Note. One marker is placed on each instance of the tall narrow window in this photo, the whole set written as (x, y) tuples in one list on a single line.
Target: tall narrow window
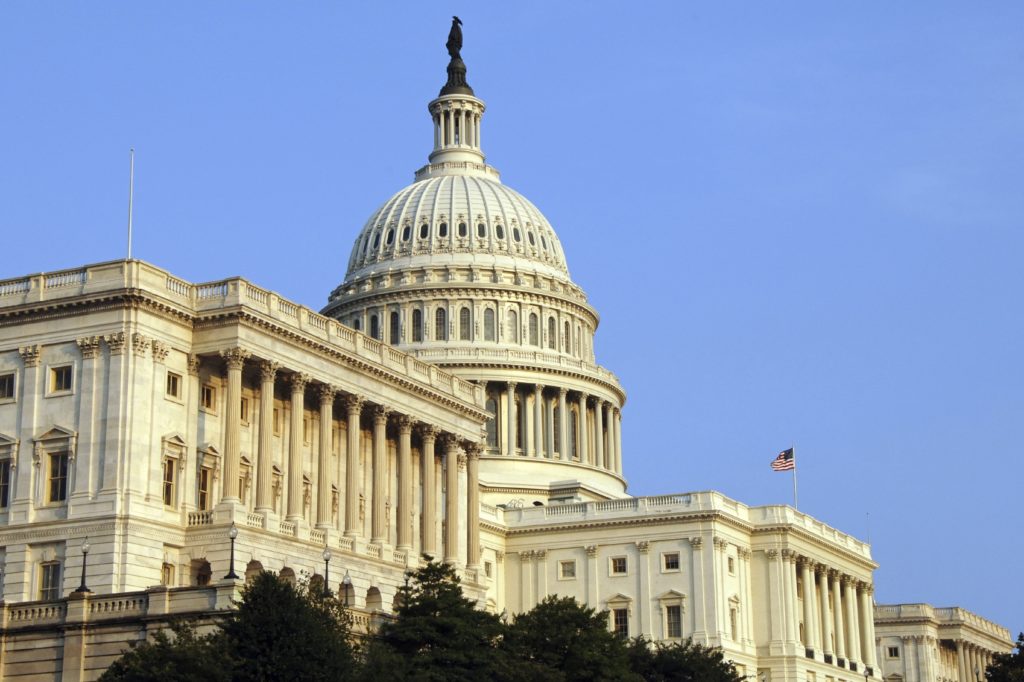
[(374, 326), (395, 333), (58, 488), (574, 427), (417, 326), (465, 330), (557, 431), (520, 423), (552, 333), (566, 338), (674, 621), (49, 580), (169, 469), (492, 422), (534, 330), (441, 324), (204, 489), (488, 325), (620, 622), (513, 327), (5, 483)]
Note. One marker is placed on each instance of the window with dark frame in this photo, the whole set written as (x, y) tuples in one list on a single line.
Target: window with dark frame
[(674, 621), (620, 622), (204, 489), (58, 479), (173, 385), (209, 397), (5, 483), (619, 565), (169, 470), (671, 561), (60, 378), (6, 385), (49, 580)]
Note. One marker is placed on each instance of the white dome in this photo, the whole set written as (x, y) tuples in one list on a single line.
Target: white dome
[(468, 219)]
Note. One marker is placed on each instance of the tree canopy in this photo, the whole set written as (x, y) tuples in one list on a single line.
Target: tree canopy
[(1008, 667)]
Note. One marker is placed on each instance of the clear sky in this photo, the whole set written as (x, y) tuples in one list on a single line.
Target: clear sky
[(801, 222)]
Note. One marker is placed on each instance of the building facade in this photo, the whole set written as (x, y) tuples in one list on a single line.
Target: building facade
[(447, 402)]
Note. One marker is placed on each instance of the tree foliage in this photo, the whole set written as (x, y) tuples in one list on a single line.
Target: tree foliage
[(680, 662), (185, 657), (1008, 667)]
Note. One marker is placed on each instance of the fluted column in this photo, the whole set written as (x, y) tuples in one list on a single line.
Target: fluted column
[(826, 614), (451, 499), (379, 521), (473, 451), (582, 422), (235, 360), (428, 513), (265, 463), (599, 433), (298, 384), (618, 441), (510, 423), (538, 420), (610, 425), (853, 632), (961, 664), (808, 581), (563, 425), (867, 627), (403, 520), (353, 409), (837, 614), (323, 470)]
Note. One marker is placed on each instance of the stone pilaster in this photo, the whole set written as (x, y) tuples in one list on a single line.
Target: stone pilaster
[(353, 490), (235, 360), (428, 514), (323, 470), (265, 463), (379, 521), (403, 520)]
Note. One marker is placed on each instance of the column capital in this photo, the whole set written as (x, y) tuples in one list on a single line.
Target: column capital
[(833, 574), (772, 553), (562, 392), (380, 414), (463, 460), (696, 542), (298, 381), (538, 388), (643, 546), (847, 580), (744, 553), (449, 442), (326, 393), (473, 449), (591, 550), (89, 345), (30, 354), (115, 341), (511, 385), (140, 344), (193, 364), (353, 403), (720, 543), (428, 431), (268, 370), (405, 423), (234, 357), (160, 351)]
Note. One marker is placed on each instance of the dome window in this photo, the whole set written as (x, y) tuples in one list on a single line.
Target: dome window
[(376, 241), (463, 230), (533, 240), (425, 230), (481, 230), (442, 230), (391, 237), (500, 231), (543, 243), (406, 233), (516, 235)]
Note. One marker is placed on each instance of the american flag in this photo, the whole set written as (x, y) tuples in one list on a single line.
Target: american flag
[(785, 461)]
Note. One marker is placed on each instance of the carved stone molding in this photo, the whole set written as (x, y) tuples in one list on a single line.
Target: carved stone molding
[(353, 404), (116, 342), (540, 553), (268, 370), (89, 346), (462, 459), (380, 414), (193, 363), (234, 357), (427, 431), (772, 553), (473, 449), (160, 351), (30, 355), (299, 381), (405, 423), (140, 344), (720, 543), (499, 556), (696, 542), (591, 550), (326, 393), (643, 546)]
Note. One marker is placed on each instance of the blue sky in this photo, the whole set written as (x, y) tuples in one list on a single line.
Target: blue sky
[(801, 222)]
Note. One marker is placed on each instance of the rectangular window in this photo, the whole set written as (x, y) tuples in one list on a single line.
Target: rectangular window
[(733, 630), (49, 580), (169, 468), (167, 575), (7, 386), (209, 398), (204, 489), (244, 410), (60, 379), (567, 569), (306, 430), (893, 651), (670, 561), (173, 385), (618, 565), (277, 422), (620, 622), (5, 483), (674, 621), (732, 566), (488, 568), (58, 489)]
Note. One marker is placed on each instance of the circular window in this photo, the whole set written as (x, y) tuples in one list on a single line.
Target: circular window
[(481, 230), (515, 234), (442, 230), (424, 230), (533, 242), (500, 231), (391, 237), (463, 230)]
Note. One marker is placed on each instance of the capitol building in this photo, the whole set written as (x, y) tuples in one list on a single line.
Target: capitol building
[(158, 436)]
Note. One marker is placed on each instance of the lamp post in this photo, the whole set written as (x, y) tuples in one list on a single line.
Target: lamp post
[(346, 584), (327, 567), (867, 675), (85, 558), (233, 533), (977, 673)]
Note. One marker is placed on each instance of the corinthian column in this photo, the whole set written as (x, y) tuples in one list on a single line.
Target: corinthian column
[(538, 420), (323, 472), (353, 407), (265, 465), (235, 359), (599, 433), (563, 426), (837, 614), (298, 382), (451, 499), (380, 520), (582, 423), (826, 616), (473, 451), (852, 631), (810, 631), (510, 431), (403, 520), (428, 514)]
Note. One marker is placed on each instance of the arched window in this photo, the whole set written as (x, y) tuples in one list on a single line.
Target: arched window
[(374, 326), (481, 230), (499, 231), (417, 326), (406, 233), (534, 331), (395, 333), (442, 230), (573, 429), (488, 325), (566, 339), (492, 422), (513, 327), (552, 333), (441, 324), (557, 431), (424, 230), (465, 332), (357, 324), (391, 237), (463, 230)]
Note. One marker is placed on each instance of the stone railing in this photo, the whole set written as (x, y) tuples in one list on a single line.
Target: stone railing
[(200, 518), (227, 293)]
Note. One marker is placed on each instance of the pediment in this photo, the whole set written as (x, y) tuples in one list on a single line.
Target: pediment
[(672, 594), (56, 433), (174, 439), (619, 599), (6, 440)]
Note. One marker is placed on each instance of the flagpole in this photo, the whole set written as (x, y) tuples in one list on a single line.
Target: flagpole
[(131, 196), (796, 501)]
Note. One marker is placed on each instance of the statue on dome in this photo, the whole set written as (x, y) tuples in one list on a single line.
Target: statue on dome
[(454, 43), (456, 84)]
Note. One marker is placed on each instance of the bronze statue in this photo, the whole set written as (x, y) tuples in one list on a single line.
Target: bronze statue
[(456, 84), (454, 43)]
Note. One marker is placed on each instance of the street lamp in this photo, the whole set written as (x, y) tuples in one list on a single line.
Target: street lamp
[(327, 567), (233, 533), (346, 584), (85, 557), (977, 673), (867, 675)]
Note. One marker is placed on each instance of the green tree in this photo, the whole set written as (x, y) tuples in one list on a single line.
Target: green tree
[(185, 657), (561, 640), (437, 634), (1008, 667), (680, 662)]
